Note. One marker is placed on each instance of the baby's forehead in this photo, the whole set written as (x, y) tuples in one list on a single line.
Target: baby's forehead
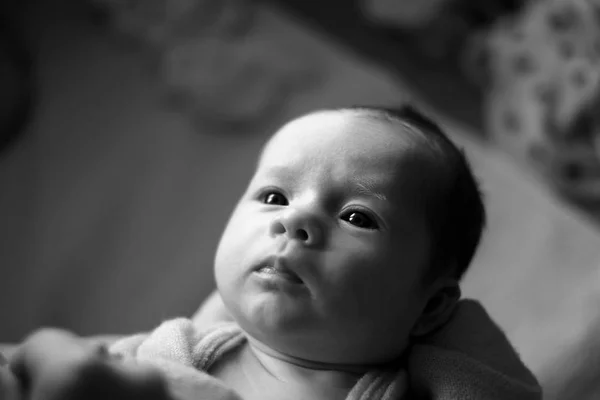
[(344, 130), (352, 142)]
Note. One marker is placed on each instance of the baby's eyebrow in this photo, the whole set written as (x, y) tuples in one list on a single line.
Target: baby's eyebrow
[(366, 187), (281, 172)]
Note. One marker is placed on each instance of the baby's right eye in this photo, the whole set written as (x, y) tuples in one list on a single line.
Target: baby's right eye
[(274, 198)]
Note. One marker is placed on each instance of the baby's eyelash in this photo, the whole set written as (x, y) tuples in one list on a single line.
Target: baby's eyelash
[(360, 219), (273, 197), (356, 216)]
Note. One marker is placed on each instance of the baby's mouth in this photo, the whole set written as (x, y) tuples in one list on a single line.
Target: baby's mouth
[(277, 268)]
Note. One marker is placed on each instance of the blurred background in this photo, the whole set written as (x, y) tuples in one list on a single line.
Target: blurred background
[(128, 129)]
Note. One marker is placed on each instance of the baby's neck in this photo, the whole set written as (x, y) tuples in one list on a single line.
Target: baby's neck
[(287, 368)]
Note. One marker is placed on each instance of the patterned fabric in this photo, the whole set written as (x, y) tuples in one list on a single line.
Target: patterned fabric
[(438, 28), (542, 89)]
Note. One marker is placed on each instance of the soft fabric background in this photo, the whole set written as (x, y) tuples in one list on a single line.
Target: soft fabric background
[(111, 206)]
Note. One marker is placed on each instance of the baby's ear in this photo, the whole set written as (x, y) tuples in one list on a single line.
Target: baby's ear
[(438, 309)]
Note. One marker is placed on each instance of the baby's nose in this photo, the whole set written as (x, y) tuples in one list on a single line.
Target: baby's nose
[(299, 225)]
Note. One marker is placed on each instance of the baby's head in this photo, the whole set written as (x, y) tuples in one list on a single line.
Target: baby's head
[(351, 237)]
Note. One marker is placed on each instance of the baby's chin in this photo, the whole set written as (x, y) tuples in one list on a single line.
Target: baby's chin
[(294, 328), (269, 305), (292, 342), (266, 314), (273, 324)]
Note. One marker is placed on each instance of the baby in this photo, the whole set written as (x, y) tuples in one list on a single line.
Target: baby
[(348, 245), (351, 238)]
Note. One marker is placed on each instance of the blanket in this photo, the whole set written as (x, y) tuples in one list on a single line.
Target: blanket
[(468, 358)]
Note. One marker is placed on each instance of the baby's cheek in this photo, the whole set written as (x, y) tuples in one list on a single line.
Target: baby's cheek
[(235, 231), (238, 244), (357, 286), (246, 219)]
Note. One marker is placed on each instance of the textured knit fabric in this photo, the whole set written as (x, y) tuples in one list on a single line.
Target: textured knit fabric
[(469, 358)]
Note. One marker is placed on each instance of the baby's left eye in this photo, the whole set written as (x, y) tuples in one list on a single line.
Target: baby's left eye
[(274, 198), (360, 220)]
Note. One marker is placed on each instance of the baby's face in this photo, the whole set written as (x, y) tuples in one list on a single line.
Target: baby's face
[(323, 257)]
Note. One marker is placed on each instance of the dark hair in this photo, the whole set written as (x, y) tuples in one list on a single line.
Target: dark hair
[(456, 211)]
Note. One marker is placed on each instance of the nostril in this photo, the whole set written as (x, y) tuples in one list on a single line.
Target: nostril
[(302, 234), (277, 228)]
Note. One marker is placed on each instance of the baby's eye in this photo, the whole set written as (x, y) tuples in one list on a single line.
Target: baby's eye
[(274, 198), (360, 220)]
